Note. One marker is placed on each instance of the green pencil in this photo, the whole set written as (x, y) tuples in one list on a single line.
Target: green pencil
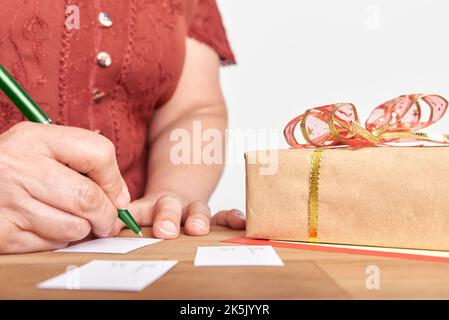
[(32, 112)]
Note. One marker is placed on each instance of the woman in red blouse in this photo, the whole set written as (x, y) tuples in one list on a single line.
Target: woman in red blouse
[(118, 77)]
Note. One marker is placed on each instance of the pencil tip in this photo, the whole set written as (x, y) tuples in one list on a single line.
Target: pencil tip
[(140, 233)]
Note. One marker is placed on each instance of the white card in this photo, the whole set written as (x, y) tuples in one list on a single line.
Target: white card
[(110, 275), (237, 256), (110, 245)]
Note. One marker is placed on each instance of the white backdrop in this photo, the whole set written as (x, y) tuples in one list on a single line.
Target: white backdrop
[(294, 54)]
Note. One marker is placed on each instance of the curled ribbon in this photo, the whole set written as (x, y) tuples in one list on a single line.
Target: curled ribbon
[(396, 120)]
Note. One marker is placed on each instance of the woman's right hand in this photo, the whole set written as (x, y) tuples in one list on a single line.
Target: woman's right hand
[(57, 184)]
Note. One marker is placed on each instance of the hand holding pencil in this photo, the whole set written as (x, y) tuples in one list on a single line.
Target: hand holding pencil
[(59, 183)]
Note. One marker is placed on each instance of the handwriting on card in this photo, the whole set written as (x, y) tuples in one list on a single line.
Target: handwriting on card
[(237, 256)]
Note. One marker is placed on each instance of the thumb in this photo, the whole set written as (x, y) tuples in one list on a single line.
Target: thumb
[(91, 154)]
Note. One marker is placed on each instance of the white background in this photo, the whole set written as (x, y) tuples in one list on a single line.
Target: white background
[(295, 54)]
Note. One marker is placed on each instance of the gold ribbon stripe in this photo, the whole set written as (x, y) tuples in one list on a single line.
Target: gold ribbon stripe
[(314, 181)]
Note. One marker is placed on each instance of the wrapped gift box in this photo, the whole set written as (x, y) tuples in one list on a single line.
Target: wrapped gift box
[(379, 196)]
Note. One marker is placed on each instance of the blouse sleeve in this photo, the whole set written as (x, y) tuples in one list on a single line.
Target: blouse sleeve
[(207, 27)]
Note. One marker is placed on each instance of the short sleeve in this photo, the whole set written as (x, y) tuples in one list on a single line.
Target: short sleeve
[(207, 27)]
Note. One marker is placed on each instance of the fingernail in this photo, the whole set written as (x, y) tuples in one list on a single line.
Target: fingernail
[(124, 198), (241, 215), (168, 228), (200, 224)]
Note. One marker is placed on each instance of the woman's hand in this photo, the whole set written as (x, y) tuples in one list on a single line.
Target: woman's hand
[(45, 201), (167, 211)]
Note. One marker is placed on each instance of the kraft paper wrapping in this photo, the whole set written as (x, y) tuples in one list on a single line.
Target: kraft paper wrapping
[(380, 196)]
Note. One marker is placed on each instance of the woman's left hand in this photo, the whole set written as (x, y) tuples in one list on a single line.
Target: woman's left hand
[(166, 212)]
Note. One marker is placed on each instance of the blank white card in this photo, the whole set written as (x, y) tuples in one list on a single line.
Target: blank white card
[(110, 275), (237, 256), (111, 245)]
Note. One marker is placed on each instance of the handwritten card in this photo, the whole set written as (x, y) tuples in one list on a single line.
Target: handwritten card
[(110, 245), (237, 256), (110, 275)]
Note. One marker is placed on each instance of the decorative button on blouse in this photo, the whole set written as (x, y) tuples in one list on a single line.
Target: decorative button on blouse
[(105, 19), (104, 59), (98, 95)]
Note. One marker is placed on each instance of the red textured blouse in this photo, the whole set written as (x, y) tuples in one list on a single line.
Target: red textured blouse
[(110, 74)]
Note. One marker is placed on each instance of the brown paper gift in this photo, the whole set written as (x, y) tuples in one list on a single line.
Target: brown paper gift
[(379, 196)]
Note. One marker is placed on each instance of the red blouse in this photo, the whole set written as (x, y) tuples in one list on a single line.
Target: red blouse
[(110, 74)]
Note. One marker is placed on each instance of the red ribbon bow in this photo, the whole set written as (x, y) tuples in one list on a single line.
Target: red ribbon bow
[(396, 120)]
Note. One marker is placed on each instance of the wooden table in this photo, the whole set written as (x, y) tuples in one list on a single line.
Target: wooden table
[(306, 275)]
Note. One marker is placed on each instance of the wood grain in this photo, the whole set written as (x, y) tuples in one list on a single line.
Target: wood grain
[(306, 275)]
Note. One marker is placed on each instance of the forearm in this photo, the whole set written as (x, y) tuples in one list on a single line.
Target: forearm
[(196, 179), (186, 159)]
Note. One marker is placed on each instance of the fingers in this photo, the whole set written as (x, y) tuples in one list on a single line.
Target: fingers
[(230, 218), (166, 213), (198, 219), (66, 190), (167, 218), (18, 241), (142, 212), (91, 154), (29, 242), (53, 224)]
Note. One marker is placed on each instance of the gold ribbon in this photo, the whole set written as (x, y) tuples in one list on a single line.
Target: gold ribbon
[(396, 120), (314, 182)]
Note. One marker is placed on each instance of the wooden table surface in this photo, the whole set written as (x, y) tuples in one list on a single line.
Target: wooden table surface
[(306, 275)]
